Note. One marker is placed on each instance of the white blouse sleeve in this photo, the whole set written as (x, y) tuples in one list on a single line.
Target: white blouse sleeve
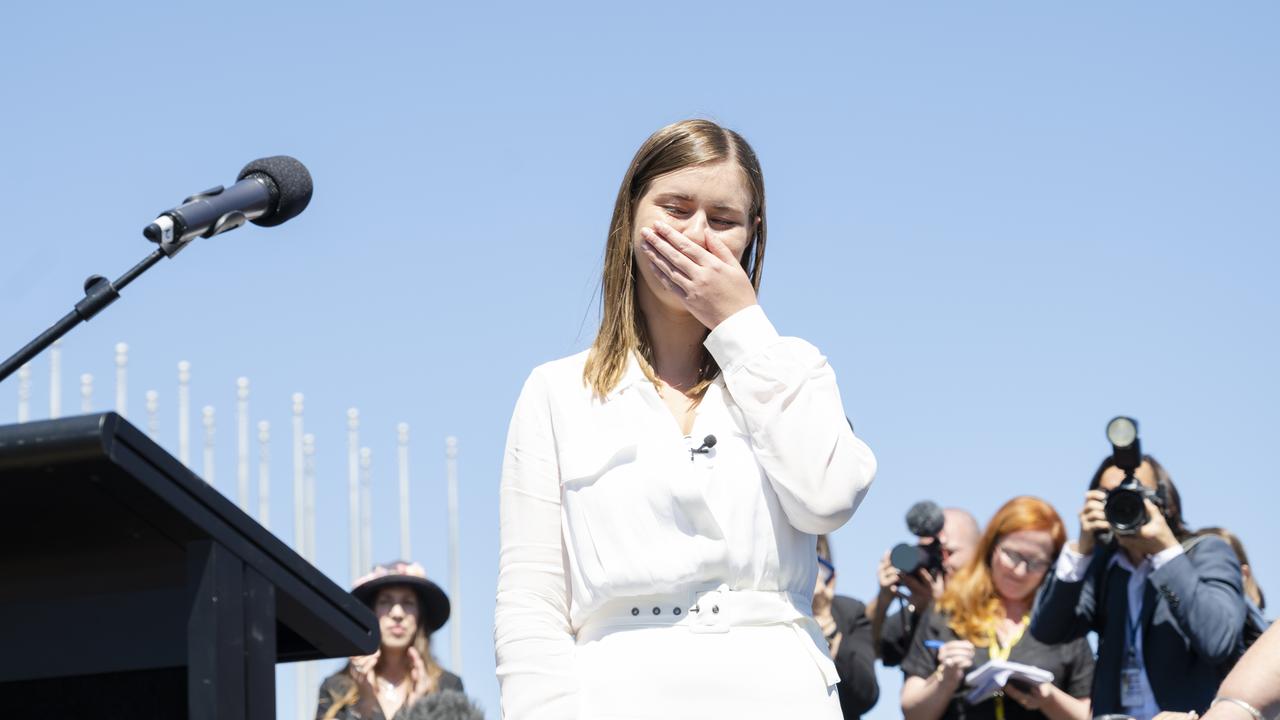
[(533, 639), (788, 396)]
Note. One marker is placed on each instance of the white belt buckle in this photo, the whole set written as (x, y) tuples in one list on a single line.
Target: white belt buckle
[(711, 610)]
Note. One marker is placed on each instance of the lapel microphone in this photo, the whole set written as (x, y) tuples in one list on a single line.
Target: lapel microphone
[(708, 442)]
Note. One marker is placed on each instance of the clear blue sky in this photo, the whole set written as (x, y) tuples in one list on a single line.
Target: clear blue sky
[(1003, 222)]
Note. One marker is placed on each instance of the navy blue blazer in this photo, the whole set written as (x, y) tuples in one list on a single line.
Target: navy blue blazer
[(1192, 618)]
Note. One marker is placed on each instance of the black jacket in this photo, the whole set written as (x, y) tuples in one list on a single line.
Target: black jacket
[(332, 686), (855, 659)]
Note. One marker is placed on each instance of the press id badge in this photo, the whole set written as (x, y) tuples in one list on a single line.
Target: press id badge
[(1131, 695)]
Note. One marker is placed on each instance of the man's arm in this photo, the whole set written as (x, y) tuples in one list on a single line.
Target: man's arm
[(1202, 589), (1066, 606)]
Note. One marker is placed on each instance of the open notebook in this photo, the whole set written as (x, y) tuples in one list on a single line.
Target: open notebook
[(993, 675)]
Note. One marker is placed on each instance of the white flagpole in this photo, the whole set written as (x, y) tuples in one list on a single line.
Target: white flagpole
[(455, 581), (299, 480), (309, 467), (264, 474), (302, 673), (153, 415), (366, 509), (402, 436), (55, 380), (242, 443), (353, 489), (307, 696), (24, 393), (184, 413), (86, 393), (122, 379), (208, 420)]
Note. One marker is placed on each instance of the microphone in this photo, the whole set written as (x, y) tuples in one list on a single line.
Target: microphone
[(268, 192), (925, 519), (708, 442)]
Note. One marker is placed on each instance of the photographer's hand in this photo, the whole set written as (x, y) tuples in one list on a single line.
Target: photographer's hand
[(1093, 519), (1152, 537)]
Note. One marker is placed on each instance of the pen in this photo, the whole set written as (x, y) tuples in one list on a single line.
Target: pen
[(933, 644)]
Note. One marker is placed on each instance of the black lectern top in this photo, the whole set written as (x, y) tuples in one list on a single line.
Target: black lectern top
[(98, 527)]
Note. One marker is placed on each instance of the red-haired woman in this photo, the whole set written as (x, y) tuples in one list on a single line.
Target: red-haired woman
[(984, 614)]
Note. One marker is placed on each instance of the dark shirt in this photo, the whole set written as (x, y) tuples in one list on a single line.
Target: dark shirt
[(335, 686), (1071, 664), (896, 633), (855, 659)]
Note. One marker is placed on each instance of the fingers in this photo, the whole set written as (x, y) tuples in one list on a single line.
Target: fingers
[(671, 278), (957, 654), (694, 252), (717, 247), (667, 254)]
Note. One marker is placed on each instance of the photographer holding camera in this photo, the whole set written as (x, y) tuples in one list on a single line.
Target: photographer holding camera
[(1169, 620), (947, 542)]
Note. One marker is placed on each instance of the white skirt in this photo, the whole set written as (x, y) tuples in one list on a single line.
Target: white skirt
[(668, 668)]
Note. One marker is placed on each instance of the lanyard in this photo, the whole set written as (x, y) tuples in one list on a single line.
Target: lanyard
[(999, 652), (1131, 626)]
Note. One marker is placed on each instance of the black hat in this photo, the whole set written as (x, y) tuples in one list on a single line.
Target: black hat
[(433, 610)]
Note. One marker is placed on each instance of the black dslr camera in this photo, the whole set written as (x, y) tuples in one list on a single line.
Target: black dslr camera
[(1125, 507), (924, 520)]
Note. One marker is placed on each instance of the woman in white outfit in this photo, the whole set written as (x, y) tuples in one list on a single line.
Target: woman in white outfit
[(661, 492)]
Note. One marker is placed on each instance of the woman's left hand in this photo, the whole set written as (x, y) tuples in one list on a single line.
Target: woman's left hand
[(420, 684), (1033, 698), (704, 274)]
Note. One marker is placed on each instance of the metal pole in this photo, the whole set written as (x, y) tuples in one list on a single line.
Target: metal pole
[(208, 420), (455, 579), (24, 393), (153, 415), (402, 436), (353, 489), (309, 465), (55, 380), (86, 393), (242, 443), (302, 674), (122, 379), (184, 413), (299, 479), (264, 474), (366, 509)]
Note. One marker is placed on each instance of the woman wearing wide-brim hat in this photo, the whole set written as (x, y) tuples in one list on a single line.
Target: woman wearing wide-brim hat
[(384, 685)]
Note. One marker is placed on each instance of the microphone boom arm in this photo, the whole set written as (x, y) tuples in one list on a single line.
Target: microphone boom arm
[(98, 294)]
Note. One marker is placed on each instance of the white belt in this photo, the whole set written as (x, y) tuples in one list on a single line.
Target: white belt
[(715, 610)]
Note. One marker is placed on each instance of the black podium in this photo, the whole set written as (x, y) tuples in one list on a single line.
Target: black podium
[(131, 588)]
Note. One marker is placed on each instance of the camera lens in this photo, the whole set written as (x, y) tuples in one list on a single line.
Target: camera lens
[(1125, 510), (906, 558)]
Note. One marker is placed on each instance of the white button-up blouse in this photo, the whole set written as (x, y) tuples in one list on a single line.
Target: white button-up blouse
[(603, 498)]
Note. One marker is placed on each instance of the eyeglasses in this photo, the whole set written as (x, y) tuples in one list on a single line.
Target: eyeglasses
[(1013, 559), (826, 571)]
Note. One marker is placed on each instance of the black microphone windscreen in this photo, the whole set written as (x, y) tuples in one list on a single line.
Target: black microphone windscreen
[(293, 185), (709, 441), (925, 519)]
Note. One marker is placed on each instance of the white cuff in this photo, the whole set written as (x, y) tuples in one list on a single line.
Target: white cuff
[(1163, 557), (739, 336), (1071, 565)]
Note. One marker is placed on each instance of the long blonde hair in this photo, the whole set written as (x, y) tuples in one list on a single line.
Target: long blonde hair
[(345, 692), (970, 600), (622, 329)]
